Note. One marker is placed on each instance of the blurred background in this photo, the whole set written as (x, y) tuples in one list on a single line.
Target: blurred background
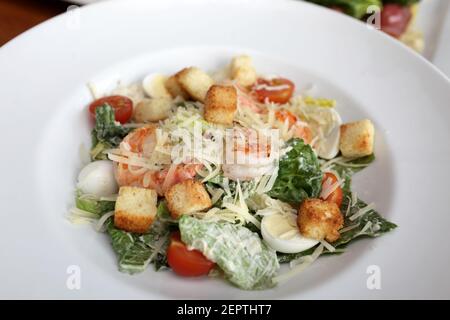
[(424, 25)]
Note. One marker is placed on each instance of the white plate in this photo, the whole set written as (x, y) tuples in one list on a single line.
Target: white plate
[(44, 121)]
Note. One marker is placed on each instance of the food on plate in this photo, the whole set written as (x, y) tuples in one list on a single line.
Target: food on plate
[(135, 209), (320, 219), (152, 109), (187, 197), (192, 82), (97, 178), (220, 104), (397, 17), (357, 139), (154, 85), (231, 175), (185, 261), (242, 71)]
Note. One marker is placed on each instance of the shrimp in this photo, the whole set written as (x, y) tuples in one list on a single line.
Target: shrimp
[(245, 100), (248, 155), (298, 128), (142, 142)]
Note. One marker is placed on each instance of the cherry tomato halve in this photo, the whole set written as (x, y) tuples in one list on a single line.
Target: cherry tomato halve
[(277, 90), (188, 263), (337, 195), (122, 106), (395, 19)]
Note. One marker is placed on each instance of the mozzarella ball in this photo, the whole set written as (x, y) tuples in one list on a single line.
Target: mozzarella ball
[(97, 178)]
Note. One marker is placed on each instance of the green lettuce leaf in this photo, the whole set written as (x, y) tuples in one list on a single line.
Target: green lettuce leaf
[(402, 2), (299, 175), (246, 261), (107, 133), (354, 8), (360, 227), (136, 251), (94, 206)]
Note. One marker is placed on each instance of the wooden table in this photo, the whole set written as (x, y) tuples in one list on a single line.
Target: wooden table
[(16, 16)]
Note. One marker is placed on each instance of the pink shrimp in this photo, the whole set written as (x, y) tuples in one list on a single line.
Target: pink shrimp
[(246, 100), (300, 130), (142, 141)]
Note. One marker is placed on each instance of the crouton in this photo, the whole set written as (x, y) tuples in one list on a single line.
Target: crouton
[(187, 197), (319, 219), (195, 82), (357, 139), (149, 110), (242, 70), (135, 209), (220, 104), (175, 89)]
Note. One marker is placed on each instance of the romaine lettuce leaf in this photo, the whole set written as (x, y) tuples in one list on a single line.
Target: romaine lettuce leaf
[(136, 251), (244, 258), (91, 205), (107, 133), (299, 175)]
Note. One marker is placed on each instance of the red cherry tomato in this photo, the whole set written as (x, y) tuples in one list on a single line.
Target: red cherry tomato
[(395, 19), (278, 90), (188, 263), (122, 106), (337, 195)]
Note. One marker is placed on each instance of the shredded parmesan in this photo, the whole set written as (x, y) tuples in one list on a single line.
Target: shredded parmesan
[(93, 90), (328, 246), (354, 199), (346, 229), (216, 195), (111, 198), (299, 265), (100, 225), (329, 188), (78, 216), (365, 228), (362, 212)]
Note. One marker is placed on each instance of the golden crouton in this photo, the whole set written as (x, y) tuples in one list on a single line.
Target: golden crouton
[(187, 197), (135, 209), (175, 89), (220, 104), (357, 139), (195, 82), (319, 219), (242, 71)]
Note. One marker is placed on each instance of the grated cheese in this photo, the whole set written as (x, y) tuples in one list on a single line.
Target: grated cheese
[(299, 265), (327, 245), (100, 225), (346, 229), (93, 90), (362, 212), (365, 228), (111, 198), (329, 188)]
